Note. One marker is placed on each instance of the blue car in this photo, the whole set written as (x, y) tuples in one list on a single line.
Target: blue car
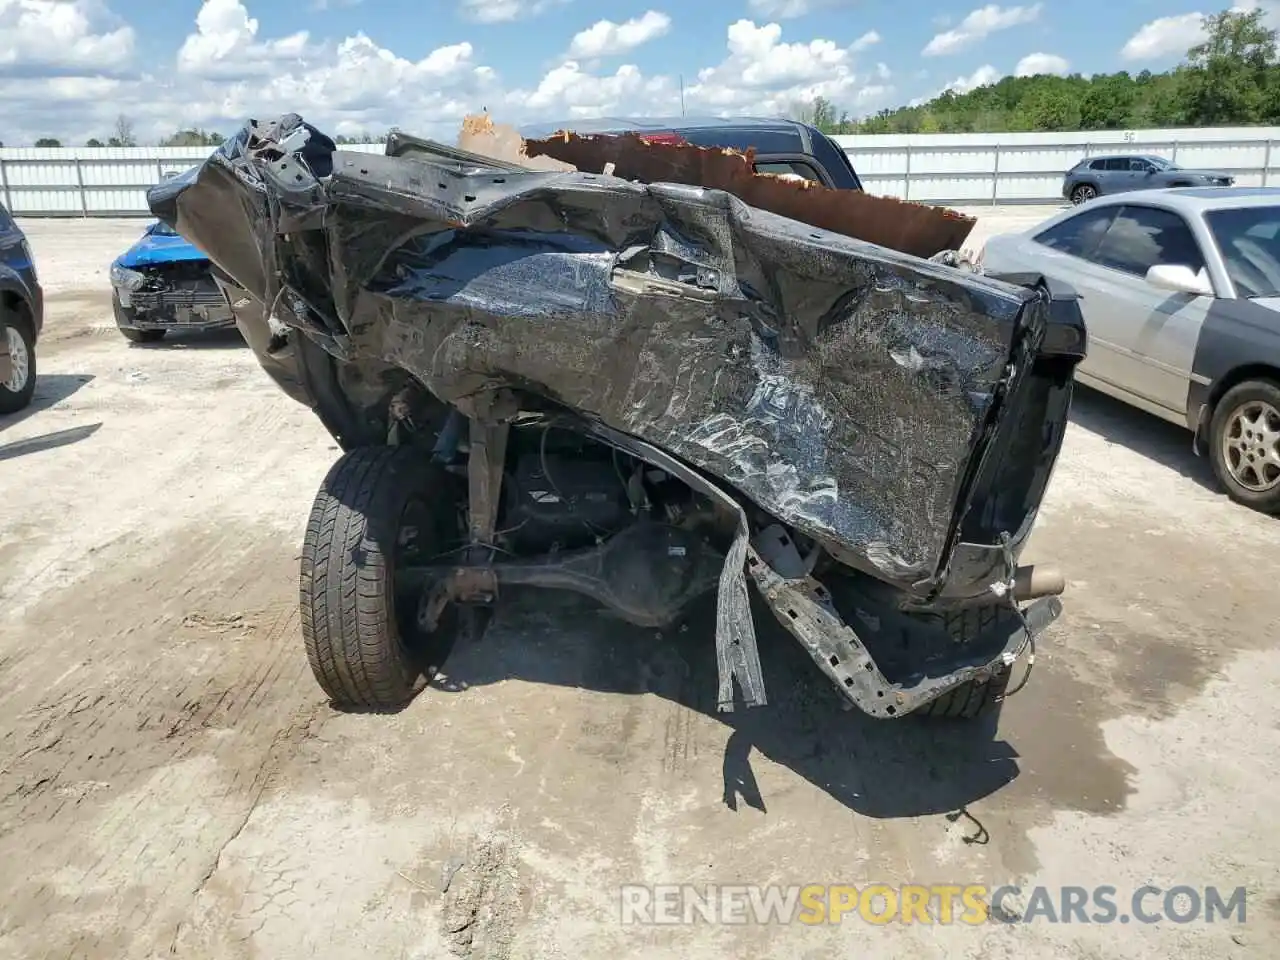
[(21, 316), (164, 283)]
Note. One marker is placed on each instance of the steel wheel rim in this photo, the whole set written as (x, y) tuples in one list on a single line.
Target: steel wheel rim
[(1251, 446), (21, 363)]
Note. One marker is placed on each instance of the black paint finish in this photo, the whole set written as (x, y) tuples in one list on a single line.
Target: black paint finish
[(1237, 336)]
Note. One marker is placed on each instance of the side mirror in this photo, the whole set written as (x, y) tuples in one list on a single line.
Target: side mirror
[(1180, 279)]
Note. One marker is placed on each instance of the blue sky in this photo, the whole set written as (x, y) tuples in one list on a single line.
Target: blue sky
[(68, 68)]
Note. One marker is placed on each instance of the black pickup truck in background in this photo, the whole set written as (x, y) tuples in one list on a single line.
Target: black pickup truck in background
[(782, 147)]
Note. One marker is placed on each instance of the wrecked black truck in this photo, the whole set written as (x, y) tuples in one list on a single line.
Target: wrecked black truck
[(662, 378)]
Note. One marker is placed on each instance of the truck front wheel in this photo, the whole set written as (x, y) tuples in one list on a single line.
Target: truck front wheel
[(377, 507)]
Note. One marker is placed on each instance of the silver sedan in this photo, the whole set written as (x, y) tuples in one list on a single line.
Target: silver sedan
[(1180, 290)]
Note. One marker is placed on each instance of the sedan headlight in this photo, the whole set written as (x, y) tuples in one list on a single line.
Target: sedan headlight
[(126, 279)]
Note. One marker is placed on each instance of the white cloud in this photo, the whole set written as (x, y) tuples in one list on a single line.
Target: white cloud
[(504, 11), (981, 77), (868, 39), (1165, 37), (1171, 37), (604, 37), (1034, 64), (978, 25), (62, 34), (225, 44), (567, 91), (231, 68), (762, 74)]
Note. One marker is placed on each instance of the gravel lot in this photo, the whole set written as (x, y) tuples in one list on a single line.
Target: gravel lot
[(173, 784)]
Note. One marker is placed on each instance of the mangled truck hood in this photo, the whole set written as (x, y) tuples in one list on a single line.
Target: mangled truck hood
[(862, 395)]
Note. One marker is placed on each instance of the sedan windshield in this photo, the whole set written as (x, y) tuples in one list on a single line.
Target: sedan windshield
[(1249, 239), (1160, 163)]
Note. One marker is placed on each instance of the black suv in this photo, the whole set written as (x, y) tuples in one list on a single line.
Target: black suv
[(21, 316)]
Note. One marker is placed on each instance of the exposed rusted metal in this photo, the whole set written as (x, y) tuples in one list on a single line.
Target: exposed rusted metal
[(913, 228)]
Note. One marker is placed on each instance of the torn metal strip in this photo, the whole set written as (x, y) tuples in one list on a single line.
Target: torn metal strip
[(806, 609)]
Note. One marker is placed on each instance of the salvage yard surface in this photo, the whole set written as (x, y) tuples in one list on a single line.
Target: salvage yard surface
[(172, 782)]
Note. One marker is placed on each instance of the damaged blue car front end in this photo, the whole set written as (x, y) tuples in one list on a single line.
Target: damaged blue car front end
[(164, 282)]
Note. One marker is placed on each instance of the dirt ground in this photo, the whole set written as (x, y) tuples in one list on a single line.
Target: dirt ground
[(172, 782)]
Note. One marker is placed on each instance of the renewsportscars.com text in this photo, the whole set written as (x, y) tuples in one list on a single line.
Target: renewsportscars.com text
[(942, 904)]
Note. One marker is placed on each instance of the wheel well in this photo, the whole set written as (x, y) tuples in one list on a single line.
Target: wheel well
[(1254, 371), (12, 302)]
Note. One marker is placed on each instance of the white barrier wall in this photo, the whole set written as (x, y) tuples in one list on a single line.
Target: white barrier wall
[(979, 168), (93, 181), (934, 168)]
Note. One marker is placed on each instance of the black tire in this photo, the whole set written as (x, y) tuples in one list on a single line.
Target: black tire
[(1083, 193), (1252, 395), (125, 320), (11, 401), (362, 640), (977, 697)]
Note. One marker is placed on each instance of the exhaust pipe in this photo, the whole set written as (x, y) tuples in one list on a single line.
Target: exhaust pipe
[(1032, 582)]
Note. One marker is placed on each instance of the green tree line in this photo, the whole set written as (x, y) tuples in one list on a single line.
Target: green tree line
[(1231, 79)]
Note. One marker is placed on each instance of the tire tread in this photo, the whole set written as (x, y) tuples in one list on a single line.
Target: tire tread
[(346, 592)]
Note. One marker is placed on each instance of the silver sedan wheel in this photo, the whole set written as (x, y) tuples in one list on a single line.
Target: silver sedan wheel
[(1083, 194), (1251, 446), (19, 359)]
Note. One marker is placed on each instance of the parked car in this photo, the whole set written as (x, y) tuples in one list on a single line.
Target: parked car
[(1180, 291), (21, 316), (643, 392), (1105, 176), (782, 147), (164, 283)]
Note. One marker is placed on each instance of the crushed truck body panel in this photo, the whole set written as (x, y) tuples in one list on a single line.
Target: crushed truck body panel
[(843, 387), (901, 415)]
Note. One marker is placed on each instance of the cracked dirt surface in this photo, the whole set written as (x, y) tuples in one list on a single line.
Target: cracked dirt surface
[(173, 784)]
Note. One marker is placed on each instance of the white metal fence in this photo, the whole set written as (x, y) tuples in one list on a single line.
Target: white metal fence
[(1003, 168), (933, 168)]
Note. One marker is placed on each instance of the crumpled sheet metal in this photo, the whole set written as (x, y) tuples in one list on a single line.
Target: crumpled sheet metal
[(842, 387), (912, 228)]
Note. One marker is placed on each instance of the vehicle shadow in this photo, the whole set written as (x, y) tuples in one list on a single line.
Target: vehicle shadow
[(881, 769), (51, 388), (227, 338), (49, 441), (1145, 434)]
